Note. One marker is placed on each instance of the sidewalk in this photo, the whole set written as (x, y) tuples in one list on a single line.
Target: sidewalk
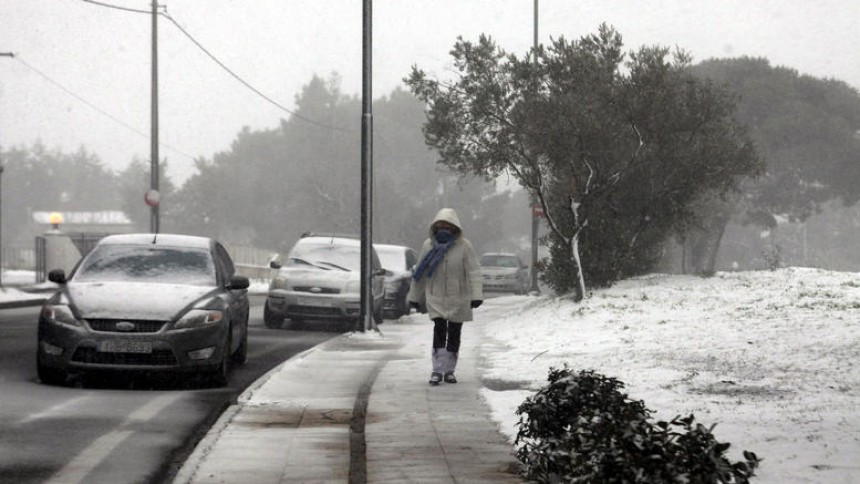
[(358, 409)]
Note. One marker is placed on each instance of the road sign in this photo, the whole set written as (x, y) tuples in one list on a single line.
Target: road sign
[(152, 198)]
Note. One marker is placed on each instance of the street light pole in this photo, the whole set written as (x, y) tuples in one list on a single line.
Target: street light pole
[(534, 289), (153, 147), (366, 311), (2, 54)]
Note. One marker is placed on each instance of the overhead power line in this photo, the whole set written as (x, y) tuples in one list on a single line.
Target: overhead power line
[(245, 83), (117, 7), (96, 108), (224, 66)]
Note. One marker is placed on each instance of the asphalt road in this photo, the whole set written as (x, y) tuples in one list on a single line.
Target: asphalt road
[(108, 428)]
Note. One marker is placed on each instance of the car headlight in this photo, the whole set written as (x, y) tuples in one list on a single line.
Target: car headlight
[(199, 317), (59, 314), (278, 283)]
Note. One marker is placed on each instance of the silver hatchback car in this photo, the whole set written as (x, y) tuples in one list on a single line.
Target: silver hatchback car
[(320, 280), (504, 272)]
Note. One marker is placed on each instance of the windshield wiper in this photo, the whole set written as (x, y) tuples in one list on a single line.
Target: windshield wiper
[(333, 265), (307, 263)]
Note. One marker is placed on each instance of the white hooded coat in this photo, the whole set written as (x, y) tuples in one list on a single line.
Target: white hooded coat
[(456, 280)]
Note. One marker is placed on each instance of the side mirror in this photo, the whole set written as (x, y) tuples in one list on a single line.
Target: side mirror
[(238, 282), (380, 272), (274, 264), (58, 276)]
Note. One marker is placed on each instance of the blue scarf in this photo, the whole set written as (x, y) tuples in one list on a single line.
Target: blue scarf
[(442, 239)]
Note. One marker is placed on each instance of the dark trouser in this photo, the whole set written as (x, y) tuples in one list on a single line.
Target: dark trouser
[(446, 345)]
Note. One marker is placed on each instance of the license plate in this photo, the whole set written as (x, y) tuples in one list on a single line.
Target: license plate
[(312, 301), (125, 346)]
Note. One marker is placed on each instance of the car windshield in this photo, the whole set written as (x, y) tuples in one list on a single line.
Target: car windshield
[(148, 264), (336, 257), (499, 261), (392, 259)]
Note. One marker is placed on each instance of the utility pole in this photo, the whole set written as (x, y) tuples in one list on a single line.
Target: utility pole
[(534, 289), (2, 54), (366, 312), (152, 197)]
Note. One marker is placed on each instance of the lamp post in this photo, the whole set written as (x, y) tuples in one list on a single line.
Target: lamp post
[(155, 220), (2, 54), (534, 289)]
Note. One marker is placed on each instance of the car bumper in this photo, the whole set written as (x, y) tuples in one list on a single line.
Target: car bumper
[(80, 348), (502, 285), (315, 306)]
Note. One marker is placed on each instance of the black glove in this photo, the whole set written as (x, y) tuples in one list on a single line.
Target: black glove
[(476, 303), (414, 305)]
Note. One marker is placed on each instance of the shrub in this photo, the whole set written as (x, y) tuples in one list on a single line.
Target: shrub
[(582, 428)]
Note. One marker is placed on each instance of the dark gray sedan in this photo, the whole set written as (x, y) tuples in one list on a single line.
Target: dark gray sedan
[(146, 302)]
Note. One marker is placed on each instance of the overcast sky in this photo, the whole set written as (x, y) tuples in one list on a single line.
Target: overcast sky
[(102, 55)]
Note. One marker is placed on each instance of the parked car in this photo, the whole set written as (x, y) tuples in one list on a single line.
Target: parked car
[(320, 280), (504, 272), (148, 302), (398, 262)]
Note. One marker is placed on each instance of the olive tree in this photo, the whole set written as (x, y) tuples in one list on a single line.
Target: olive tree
[(614, 146)]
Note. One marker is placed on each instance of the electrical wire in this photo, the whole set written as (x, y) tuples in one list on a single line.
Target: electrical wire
[(245, 83), (96, 108), (117, 7), (223, 66)]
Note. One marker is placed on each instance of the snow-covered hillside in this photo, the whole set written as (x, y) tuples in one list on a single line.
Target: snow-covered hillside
[(770, 357)]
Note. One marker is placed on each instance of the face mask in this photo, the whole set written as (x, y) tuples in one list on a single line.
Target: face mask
[(443, 235)]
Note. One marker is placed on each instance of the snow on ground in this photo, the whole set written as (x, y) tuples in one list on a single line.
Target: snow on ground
[(770, 357)]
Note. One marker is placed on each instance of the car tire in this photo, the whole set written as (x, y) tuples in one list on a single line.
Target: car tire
[(50, 376), (241, 354), (405, 308), (377, 315), (218, 377), (271, 320)]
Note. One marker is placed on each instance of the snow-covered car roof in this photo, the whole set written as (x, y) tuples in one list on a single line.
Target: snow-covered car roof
[(328, 240), (166, 240)]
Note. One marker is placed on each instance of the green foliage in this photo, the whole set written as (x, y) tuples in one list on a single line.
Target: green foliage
[(37, 179), (274, 184), (617, 147), (582, 428), (805, 129)]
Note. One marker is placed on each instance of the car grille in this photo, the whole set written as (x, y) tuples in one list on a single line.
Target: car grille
[(140, 326), (313, 310), (156, 358), (317, 289)]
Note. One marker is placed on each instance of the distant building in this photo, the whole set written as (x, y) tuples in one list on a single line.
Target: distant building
[(85, 228)]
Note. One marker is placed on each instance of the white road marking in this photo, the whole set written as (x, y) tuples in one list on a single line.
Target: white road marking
[(59, 408), (88, 459)]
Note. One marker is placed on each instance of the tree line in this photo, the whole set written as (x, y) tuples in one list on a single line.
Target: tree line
[(628, 153)]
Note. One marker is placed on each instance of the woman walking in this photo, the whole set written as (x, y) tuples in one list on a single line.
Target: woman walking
[(448, 280)]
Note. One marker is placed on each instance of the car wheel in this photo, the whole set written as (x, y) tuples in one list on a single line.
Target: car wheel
[(241, 354), (377, 315), (405, 308), (271, 320), (50, 376), (218, 377)]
